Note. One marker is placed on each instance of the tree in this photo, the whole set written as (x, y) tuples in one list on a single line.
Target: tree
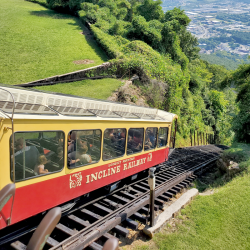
[(179, 15), (188, 42), (241, 79), (151, 10), (171, 42)]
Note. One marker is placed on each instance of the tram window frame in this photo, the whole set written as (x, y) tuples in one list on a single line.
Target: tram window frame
[(124, 144), (166, 137), (39, 175), (156, 138), (90, 163), (142, 146)]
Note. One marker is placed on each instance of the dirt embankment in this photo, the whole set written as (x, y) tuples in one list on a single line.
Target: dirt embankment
[(129, 94)]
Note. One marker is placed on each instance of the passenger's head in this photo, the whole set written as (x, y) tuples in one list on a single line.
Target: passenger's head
[(73, 135), (42, 159), (83, 149), (19, 144)]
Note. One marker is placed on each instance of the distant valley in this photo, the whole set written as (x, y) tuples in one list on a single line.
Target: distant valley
[(222, 27)]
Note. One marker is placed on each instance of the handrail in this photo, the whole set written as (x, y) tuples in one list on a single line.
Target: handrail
[(13, 151)]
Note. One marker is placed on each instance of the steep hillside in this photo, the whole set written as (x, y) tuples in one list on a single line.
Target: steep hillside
[(36, 43)]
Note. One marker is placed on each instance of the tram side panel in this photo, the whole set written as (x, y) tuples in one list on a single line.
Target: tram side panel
[(41, 193)]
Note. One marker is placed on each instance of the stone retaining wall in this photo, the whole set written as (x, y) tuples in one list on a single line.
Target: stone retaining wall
[(79, 75)]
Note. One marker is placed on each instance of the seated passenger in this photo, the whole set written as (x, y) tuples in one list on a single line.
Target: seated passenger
[(133, 145), (39, 169), (72, 142), (83, 156), (27, 155), (122, 140), (112, 136), (72, 159), (58, 157), (148, 144), (152, 137)]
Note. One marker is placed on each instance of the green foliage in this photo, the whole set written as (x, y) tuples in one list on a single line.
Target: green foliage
[(241, 80), (171, 43), (219, 74), (189, 45), (179, 15), (200, 75), (229, 60), (142, 30), (108, 42), (68, 6), (151, 10), (223, 113), (176, 22)]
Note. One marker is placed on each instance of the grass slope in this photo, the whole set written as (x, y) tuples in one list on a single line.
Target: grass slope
[(100, 89), (218, 221), (37, 43)]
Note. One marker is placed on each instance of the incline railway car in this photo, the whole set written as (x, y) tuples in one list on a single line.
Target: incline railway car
[(55, 148)]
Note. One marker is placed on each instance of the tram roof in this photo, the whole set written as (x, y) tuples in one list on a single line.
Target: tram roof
[(34, 104)]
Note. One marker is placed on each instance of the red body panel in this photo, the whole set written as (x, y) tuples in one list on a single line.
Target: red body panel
[(36, 198)]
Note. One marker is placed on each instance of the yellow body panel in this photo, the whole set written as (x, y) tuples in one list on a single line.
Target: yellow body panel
[(66, 126)]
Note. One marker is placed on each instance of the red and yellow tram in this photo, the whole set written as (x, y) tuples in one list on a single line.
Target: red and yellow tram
[(55, 148)]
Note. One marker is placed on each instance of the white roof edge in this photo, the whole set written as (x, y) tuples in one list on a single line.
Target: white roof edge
[(57, 99)]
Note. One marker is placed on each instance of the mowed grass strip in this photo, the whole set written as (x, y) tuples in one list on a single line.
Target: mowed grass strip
[(100, 89), (36, 43)]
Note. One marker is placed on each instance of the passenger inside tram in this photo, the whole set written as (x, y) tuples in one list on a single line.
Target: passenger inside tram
[(114, 143), (148, 144), (135, 140), (27, 155), (37, 153), (39, 168), (83, 156), (86, 147)]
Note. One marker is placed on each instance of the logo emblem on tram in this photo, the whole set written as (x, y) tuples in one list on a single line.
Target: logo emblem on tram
[(75, 180)]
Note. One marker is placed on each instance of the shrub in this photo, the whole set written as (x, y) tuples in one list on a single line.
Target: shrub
[(107, 42)]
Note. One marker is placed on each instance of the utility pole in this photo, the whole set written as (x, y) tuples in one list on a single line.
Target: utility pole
[(151, 183)]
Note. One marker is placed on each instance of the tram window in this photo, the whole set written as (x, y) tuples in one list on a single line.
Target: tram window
[(150, 138), (37, 153), (162, 137), (114, 143), (135, 140), (84, 147)]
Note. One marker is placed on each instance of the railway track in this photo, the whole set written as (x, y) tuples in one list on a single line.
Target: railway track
[(88, 225)]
